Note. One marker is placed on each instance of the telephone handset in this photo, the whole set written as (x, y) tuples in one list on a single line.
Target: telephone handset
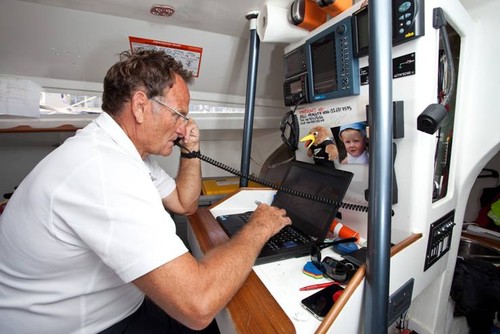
[(197, 154)]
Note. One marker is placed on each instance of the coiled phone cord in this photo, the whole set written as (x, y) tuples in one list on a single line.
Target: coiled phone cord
[(348, 206)]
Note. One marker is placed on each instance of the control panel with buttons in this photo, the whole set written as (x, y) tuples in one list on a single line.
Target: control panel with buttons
[(439, 242), (407, 20)]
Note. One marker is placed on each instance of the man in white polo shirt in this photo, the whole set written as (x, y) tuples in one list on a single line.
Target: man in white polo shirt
[(85, 237)]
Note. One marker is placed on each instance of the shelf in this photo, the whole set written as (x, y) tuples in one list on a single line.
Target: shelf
[(66, 123), (28, 129), (46, 123)]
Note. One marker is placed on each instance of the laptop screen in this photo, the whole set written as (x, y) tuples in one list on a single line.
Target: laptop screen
[(312, 217)]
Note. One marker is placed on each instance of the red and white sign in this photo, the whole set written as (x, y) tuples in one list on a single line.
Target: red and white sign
[(189, 56)]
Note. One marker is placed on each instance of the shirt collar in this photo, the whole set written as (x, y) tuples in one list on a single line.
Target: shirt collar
[(116, 133)]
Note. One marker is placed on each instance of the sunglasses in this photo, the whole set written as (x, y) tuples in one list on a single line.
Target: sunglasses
[(338, 271)]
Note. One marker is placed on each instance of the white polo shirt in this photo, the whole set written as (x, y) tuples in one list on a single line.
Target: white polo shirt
[(83, 224)]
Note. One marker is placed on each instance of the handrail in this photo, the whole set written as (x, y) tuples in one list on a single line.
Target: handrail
[(340, 303), (355, 281)]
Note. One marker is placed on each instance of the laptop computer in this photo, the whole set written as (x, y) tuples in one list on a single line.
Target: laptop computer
[(310, 219)]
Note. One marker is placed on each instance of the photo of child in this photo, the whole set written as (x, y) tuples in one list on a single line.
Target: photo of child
[(353, 140)]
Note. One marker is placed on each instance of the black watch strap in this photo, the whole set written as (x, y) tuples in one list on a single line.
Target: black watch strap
[(190, 155)]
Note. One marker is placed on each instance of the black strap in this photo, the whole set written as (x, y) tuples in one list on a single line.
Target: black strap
[(190, 155)]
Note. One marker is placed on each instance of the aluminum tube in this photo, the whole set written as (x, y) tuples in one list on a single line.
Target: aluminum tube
[(380, 175), (253, 61)]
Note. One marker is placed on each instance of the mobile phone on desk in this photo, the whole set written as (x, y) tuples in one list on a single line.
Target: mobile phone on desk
[(320, 303), (358, 257)]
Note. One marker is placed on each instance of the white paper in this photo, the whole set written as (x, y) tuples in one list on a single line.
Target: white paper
[(19, 97)]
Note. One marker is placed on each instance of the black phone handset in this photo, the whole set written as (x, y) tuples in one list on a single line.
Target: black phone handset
[(177, 142), (197, 154)]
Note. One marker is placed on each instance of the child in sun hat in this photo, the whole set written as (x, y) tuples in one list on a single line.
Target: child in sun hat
[(355, 141)]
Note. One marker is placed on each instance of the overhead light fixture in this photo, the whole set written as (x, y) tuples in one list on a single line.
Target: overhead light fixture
[(162, 10)]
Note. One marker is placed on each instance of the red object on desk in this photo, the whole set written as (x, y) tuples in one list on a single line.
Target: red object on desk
[(336, 295), (316, 286)]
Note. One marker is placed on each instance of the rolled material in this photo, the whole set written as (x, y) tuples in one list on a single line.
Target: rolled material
[(273, 25)]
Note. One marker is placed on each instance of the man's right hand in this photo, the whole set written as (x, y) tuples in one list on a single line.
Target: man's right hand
[(269, 218), (194, 291)]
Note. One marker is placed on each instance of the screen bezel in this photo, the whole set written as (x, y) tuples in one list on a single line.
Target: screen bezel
[(360, 49), (347, 66), (294, 56), (313, 217), (324, 44)]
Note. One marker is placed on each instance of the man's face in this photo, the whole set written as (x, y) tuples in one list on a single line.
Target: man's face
[(164, 125)]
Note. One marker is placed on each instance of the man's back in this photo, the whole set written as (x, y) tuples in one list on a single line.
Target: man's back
[(59, 257)]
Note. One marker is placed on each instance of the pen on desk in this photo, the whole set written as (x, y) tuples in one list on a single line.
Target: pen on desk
[(316, 286)]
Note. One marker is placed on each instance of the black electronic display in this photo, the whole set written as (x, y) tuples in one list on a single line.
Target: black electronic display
[(295, 90), (324, 69), (407, 20), (294, 62), (295, 84), (333, 71), (407, 24), (360, 28)]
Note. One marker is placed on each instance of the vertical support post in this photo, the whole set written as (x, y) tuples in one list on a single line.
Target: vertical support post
[(253, 61), (380, 175)]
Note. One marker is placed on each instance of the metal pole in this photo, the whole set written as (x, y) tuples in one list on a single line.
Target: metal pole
[(380, 176), (253, 60)]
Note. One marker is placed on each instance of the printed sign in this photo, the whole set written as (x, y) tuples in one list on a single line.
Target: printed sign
[(189, 56)]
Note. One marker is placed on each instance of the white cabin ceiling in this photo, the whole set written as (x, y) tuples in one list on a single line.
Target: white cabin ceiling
[(217, 16)]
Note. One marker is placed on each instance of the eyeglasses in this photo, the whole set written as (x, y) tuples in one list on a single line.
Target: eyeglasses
[(179, 115), (337, 270)]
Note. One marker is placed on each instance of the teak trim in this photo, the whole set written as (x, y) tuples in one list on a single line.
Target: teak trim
[(247, 314), (340, 303), (267, 316), (27, 129), (354, 283)]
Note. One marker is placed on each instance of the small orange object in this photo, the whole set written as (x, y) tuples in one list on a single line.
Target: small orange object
[(306, 14), (314, 16), (340, 230), (337, 7)]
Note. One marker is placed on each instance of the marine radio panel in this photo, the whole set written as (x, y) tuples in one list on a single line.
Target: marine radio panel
[(294, 62), (295, 84), (333, 71), (295, 90)]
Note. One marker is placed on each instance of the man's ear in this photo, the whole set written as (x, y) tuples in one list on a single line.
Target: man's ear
[(139, 104)]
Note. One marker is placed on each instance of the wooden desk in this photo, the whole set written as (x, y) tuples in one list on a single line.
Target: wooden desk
[(254, 310), (249, 316)]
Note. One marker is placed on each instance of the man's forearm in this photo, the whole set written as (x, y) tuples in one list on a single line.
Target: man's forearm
[(189, 183)]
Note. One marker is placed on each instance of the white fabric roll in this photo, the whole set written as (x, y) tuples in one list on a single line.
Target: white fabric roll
[(273, 25)]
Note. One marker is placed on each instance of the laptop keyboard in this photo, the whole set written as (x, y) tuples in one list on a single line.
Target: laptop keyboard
[(287, 237)]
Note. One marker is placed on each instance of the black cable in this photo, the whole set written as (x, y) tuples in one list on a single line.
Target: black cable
[(290, 121), (439, 22), (348, 206), (451, 68)]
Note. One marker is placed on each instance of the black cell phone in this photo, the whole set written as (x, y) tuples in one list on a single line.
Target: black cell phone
[(320, 303), (357, 257)]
